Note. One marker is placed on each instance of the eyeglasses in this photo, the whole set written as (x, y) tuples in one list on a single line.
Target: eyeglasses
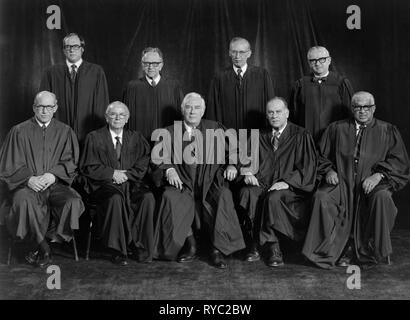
[(364, 108), (75, 47), (47, 108), (114, 115), (239, 53), (151, 64), (321, 60)]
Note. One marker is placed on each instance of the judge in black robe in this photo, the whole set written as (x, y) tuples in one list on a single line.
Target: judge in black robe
[(322, 97), (114, 183), (353, 208), (238, 101), (154, 101), (82, 97), (196, 199), (38, 164), (276, 198)]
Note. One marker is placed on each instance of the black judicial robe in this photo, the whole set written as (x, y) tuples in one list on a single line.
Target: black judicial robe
[(315, 105), (97, 165), (294, 162), (240, 106), (342, 210), (82, 104), (152, 107), (205, 186), (26, 153)]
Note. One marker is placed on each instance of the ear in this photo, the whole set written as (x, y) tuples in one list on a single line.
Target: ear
[(55, 108)]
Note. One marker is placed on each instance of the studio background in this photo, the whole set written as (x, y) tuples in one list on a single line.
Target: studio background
[(194, 37)]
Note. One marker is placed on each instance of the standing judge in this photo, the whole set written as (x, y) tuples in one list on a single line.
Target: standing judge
[(276, 199), (238, 95), (321, 97), (80, 87), (38, 160), (153, 100), (363, 161), (114, 162)]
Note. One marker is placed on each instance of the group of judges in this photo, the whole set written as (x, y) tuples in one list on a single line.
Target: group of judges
[(324, 180)]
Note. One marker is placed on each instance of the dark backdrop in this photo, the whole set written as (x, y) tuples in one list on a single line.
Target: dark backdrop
[(194, 37)]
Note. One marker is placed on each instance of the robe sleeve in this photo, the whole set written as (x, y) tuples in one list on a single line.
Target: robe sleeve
[(65, 169), (101, 93), (326, 160), (346, 93), (303, 176), (396, 165), (91, 165), (140, 166), (14, 171), (296, 106)]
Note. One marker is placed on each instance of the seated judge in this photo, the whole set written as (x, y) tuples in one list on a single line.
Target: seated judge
[(363, 161), (38, 162), (154, 100), (275, 200), (114, 163), (196, 202)]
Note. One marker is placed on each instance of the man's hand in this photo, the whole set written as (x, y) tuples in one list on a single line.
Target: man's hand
[(230, 173), (251, 180), (119, 176), (173, 178), (36, 184), (370, 182), (48, 179), (279, 186), (331, 178)]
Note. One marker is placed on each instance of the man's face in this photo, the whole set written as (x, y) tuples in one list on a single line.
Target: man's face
[(319, 61), (116, 117), (277, 114), (239, 52), (45, 107), (363, 110), (193, 111), (151, 64), (73, 49)]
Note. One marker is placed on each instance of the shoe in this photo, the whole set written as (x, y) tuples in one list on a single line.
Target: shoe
[(188, 252), (140, 255), (32, 257), (119, 259), (252, 254), (346, 259), (217, 260), (274, 258), (45, 260)]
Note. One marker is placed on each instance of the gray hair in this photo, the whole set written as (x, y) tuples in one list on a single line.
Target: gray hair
[(363, 95), (236, 39), (278, 99), (115, 104), (38, 96), (317, 48), (190, 96), (152, 49), (82, 41)]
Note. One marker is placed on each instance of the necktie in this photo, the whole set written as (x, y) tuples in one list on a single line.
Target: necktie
[(275, 140), (318, 79), (240, 76), (73, 72), (118, 147), (153, 83), (358, 142), (44, 129)]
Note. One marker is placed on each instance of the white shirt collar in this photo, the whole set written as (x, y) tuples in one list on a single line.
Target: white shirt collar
[(244, 68), (325, 75), (41, 124), (156, 79), (281, 130), (113, 135), (78, 64)]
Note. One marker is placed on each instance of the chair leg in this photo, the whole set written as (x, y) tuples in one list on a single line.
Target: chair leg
[(75, 249), (388, 260), (87, 253), (9, 253)]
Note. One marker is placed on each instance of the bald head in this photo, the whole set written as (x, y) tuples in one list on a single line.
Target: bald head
[(319, 60), (362, 98), (320, 49), (43, 96), (44, 106), (117, 115)]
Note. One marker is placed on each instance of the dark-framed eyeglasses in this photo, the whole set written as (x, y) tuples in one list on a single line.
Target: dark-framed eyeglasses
[(364, 108), (151, 64), (320, 60), (75, 47), (46, 108), (115, 115)]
